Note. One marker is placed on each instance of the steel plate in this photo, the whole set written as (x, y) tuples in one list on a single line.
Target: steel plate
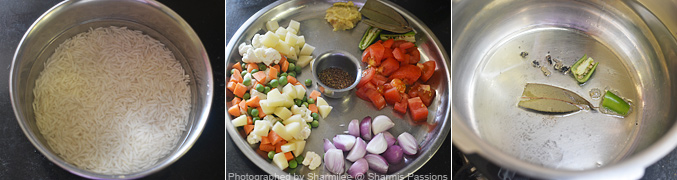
[(318, 32)]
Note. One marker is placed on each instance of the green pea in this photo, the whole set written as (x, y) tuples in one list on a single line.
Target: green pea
[(262, 67), (260, 88), (256, 118), (292, 164), (283, 80), (244, 65), (271, 154), (291, 68), (232, 71), (315, 123), (305, 97), (291, 60), (249, 110), (284, 74), (246, 96), (315, 116), (309, 82), (243, 73), (254, 71), (311, 101), (255, 112), (292, 74), (247, 81), (305, 104), (298, 102), (273, 83), (266, 90), (299, 158), (309, 125), (298, 69)]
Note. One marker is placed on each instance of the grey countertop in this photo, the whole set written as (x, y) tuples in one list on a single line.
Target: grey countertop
[(435, 14), (20, 160)]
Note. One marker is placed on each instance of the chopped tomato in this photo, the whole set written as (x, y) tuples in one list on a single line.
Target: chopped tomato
[(389, 66), (392, 96), (387, 53), (418, 111), (398, 54), (408, 73), (406, 45), (399, 85), (379, 80), (376, 99), (401, 106), (367, 75), (375, 54), (397, 43), (424, 91), (415, 55), (362, 93), (428, 70), (388, 43)]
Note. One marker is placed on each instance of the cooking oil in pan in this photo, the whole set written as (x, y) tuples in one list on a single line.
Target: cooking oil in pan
[(577, 141)]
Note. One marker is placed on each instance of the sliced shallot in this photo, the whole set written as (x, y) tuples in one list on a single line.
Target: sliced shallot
[(390, 139), (381, 123), (358, 151), (333, 161), (377, 163), (365, 128), (407, 142), (377, 145), (328, 145), (358, 169), (393, 154), (344, 142), (354, 128)]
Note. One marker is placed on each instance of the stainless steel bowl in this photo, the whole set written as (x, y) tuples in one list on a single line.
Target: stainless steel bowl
[(69, 18), (337, 59), (636, 51)]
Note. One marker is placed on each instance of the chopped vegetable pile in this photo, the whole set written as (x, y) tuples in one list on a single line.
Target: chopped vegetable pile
[(270, 104), (396, 76)]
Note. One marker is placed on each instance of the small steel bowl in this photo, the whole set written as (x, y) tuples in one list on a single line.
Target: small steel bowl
[(69, 18), (336, 59)]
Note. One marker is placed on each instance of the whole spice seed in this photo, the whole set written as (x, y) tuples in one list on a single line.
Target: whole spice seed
[(336, 78)]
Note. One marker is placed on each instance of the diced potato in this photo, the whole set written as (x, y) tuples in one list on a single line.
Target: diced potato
[(294, 25), (272, 25), (253, 138), (291, 39), (275, 98), (295, 118), (270, 39), (280, 160), (240, 121), (300, 145), (300, 42), (282, 112), (288, 102), (261, 128), (289, 90), (296, 110), (324, 110), (292, 54), (265, 106), (282, 47), (288, 147), (281, 32), (292, 31), (300, 91), (293, 128), (307, 50), (320, 101), (304, 60), (282, 131)]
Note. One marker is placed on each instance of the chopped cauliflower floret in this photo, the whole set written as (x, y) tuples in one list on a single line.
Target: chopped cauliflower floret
[(312, 160), (243, 48), (304, 133), (267, 56), (253, 138), (256, 41)]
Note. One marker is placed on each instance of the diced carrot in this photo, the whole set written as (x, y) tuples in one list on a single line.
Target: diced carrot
[(291, 79), (231, 85), (277, 67), (234, 110), (264, 140), (289, 156), (272, 73), (274, 138), (312, 108), (261, 114), (250, 121), (240, 90), (253, 102), (252, 66), (248, 129), (243, 106), (314, 95), (236, 77), (266, 147), (236, 101), (278, 146), (260, 77), (284, 64), (237, 66)]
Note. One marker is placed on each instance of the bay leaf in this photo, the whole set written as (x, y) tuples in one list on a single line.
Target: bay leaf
[(550, 99), (384, 17)]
